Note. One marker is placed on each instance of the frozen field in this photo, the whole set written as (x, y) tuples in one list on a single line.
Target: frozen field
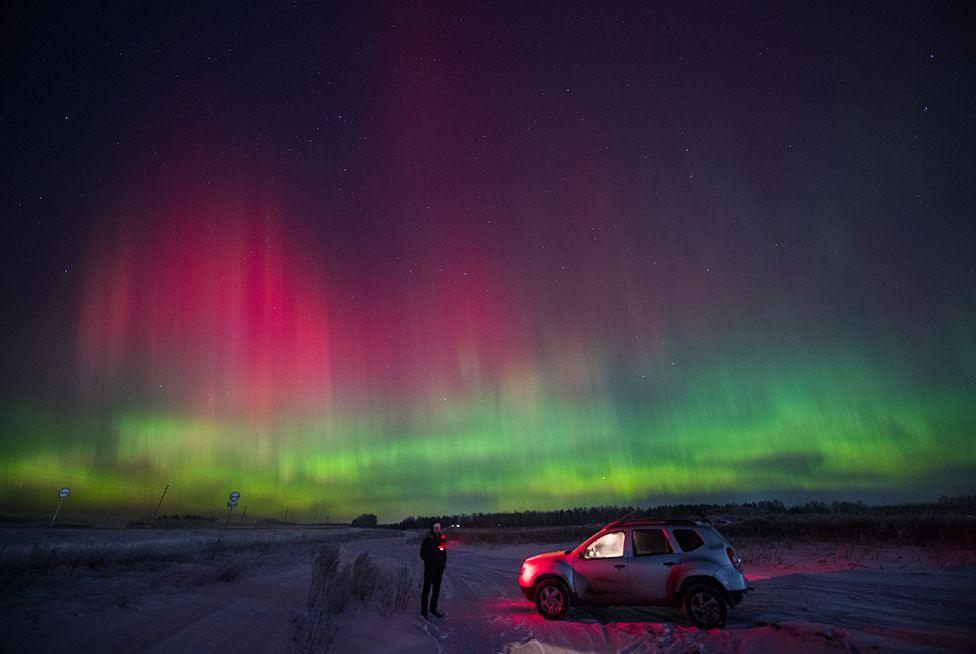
[(246, 591)]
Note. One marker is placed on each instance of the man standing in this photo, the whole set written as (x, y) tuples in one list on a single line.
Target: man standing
[(434, 553)]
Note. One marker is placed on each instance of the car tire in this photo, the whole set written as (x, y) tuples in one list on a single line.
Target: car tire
[(552, 599), (705, 606)]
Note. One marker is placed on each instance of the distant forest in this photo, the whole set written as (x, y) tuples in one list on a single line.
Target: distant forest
[(599, 515)]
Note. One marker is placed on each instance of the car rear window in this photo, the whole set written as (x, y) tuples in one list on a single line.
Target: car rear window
[(688, 539), (650, 541)]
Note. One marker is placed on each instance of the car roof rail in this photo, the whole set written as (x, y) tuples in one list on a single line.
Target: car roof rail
[(651, 521), (629, 521), (620, 520)]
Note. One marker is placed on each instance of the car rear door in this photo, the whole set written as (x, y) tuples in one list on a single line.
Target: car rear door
[(649, 569)]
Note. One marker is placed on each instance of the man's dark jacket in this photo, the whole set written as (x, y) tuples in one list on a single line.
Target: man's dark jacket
[(434, 552)]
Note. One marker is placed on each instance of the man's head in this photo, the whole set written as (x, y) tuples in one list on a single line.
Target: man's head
[(436, 527)]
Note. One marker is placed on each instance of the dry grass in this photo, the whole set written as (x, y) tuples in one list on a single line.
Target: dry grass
[(316, 630), (396, 590), (334, 586), (339, 592), (65, 556), (324, 568), (365, 576), (61, 559)]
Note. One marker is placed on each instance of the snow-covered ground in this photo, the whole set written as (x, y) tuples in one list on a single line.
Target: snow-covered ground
[(810, 597)]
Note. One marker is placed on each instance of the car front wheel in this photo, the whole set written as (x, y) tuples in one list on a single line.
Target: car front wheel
[(552, 599), (705, 607)]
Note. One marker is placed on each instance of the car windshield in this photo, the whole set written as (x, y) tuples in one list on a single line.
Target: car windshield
[(606, 546)]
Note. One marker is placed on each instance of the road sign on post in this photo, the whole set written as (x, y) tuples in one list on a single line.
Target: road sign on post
[(62, 495), (234, 499)]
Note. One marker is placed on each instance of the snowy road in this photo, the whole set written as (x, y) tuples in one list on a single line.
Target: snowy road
[(809, 598), (888, 601)]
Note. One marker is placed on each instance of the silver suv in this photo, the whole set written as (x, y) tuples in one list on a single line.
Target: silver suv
[(641, 562)]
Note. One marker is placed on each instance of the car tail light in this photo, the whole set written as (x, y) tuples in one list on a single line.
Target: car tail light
[(734, 559)]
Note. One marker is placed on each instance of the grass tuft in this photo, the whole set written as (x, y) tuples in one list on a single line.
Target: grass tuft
[(396, 590), (316, 630), (365, 576)]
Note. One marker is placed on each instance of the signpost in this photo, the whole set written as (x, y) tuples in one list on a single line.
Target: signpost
[(62, 494), (234, 499)]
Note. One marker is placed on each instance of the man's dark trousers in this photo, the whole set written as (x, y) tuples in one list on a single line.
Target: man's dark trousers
[(432, 585)]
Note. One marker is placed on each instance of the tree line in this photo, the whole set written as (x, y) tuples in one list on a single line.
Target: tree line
[(604, 514)]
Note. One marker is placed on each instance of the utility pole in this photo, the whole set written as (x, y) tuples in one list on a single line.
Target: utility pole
[(160, 502)]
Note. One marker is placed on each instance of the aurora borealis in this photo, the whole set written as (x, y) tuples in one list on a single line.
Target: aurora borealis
[(432, 259)]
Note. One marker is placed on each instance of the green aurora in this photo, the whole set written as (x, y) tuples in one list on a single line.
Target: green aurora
[(819, 426)]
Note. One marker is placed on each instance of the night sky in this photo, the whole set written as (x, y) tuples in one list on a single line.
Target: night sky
[(431, 258)]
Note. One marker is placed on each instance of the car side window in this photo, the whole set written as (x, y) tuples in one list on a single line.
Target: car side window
[(606, 546), (650, 541), (688, 539)]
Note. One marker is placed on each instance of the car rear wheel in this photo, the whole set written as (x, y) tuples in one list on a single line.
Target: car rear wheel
[(705, 607), (552, 599)]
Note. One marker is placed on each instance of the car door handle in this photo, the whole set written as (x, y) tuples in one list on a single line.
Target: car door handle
[(668, 563), (619, 565)]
